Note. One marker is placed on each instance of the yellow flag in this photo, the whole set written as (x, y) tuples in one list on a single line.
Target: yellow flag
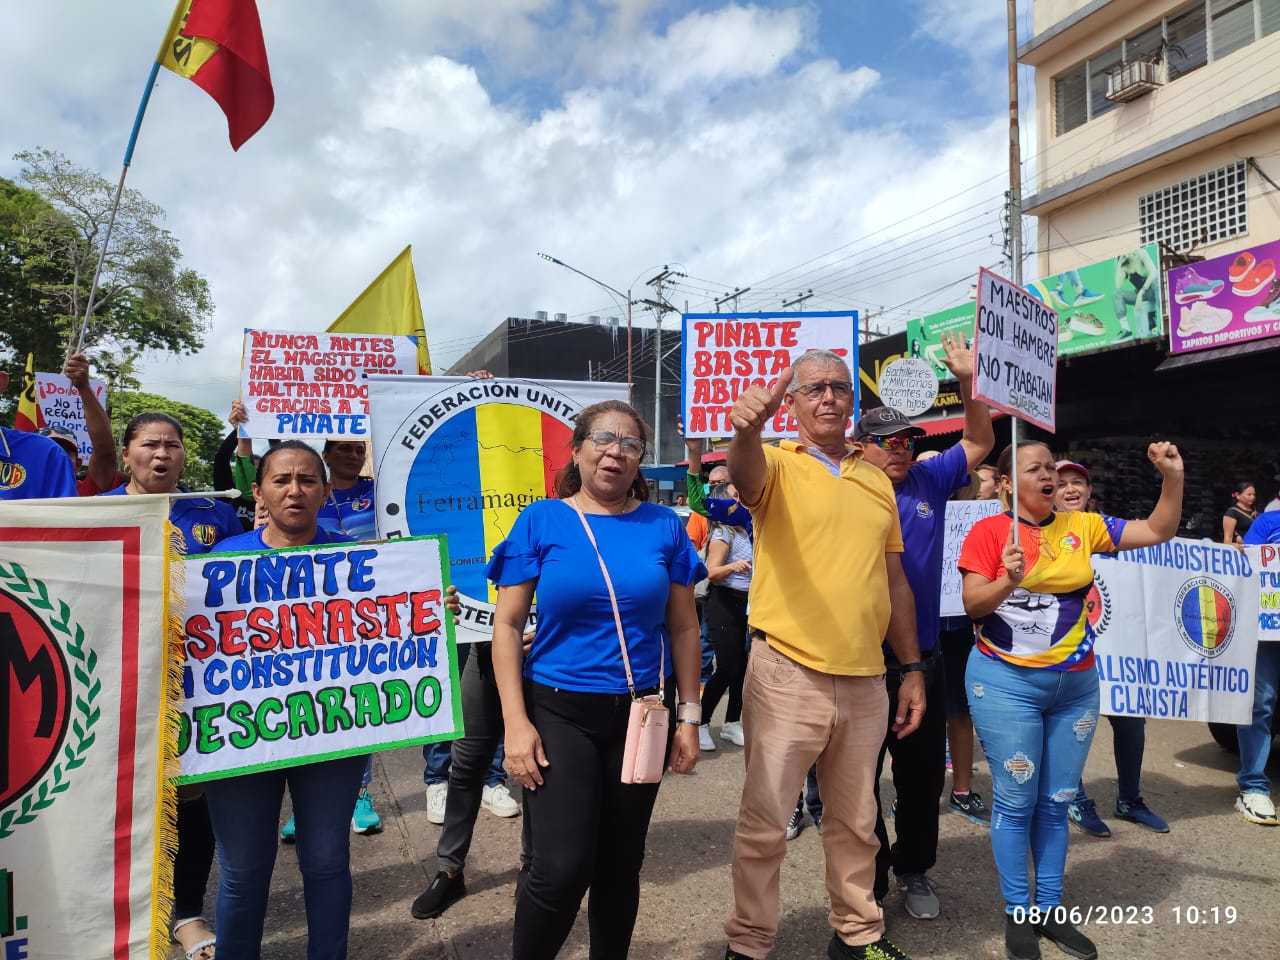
[(390, 305), (28, 417)]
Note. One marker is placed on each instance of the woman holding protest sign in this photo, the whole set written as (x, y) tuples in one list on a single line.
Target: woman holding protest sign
[(1033, 689), (153, 456), (614, 576), (292, 484)]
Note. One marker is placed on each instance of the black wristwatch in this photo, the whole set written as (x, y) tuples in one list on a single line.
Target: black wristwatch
[(906, 668)]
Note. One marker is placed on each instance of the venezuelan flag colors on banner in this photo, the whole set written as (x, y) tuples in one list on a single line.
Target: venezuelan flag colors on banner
[(1206, 615), (463, 457), (88, 821), (218, 46)]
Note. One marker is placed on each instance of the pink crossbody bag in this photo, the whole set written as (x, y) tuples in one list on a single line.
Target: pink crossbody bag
[(645, 754)]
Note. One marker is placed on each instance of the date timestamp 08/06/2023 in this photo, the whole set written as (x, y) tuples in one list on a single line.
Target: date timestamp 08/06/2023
[(1115, 914)]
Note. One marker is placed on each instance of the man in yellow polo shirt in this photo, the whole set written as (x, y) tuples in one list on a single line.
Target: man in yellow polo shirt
[(827, 588)]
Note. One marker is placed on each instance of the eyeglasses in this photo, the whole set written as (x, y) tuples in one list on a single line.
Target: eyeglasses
[(632, 447), (839, 389), (895, 443)]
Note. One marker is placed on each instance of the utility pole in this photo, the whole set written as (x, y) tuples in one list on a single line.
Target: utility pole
[(800, 298), (660, 307), (737, 292)]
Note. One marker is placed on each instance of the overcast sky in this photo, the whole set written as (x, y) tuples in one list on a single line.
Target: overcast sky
[(855, 147)]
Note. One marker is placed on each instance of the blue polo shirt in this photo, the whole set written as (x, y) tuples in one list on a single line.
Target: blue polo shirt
[(1265, 529), (350, 511), (203, 521), (246, 542), (33, 467), (922, 508)]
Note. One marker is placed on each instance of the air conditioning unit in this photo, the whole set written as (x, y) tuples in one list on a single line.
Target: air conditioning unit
[(1134, 79)]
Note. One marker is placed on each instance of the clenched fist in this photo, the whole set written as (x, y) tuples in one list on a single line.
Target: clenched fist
[(756, 405), (1166, 458)]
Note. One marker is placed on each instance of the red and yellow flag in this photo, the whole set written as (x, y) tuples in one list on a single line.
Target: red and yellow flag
[(28, 417), (217, 44)]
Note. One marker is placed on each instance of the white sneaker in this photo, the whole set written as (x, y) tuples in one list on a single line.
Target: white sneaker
[(437, 797), (732, 732), (705, 743), (1257, 808), (498, 801)]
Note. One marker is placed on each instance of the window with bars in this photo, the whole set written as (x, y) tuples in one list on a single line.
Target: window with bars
[(1205, 209), (1187, 39)]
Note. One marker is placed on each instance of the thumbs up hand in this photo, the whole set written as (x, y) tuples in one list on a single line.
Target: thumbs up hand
[(756, 405)]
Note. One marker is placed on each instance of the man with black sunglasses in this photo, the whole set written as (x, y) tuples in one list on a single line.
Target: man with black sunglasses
[(887, 440)]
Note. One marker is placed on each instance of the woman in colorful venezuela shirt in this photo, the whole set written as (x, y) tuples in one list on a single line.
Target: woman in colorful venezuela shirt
[(1031, 681)]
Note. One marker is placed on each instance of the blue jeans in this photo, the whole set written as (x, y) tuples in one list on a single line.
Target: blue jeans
[(1036, 726), (812, 796), (437, 757), (1255, 739), (246, 814), (1128, 742)]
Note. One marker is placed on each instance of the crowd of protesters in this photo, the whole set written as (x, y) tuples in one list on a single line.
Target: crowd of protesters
[(749, 604)]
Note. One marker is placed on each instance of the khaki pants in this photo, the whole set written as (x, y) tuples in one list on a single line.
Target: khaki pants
[(793, 716)]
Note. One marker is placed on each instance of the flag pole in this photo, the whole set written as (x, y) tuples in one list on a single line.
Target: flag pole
[(1015, 213), (115, 205)]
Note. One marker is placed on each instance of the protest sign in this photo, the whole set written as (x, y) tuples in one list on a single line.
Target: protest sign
[(1229, 299), (61, 406), (311, 385), (1268, 592), (1176, 631), (86, 816), (293, 656), (960, 517), (721, 355), (462, 457), (908, 385), (1015, 351)]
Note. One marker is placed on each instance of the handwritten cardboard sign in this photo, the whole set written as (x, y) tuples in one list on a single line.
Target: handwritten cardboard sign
[(723, 355), (299, 385), (1015, 351), (908, 385), (61, 406), (292, 656)]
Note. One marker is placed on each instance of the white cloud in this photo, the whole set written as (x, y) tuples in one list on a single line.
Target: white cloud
[(721, 141)]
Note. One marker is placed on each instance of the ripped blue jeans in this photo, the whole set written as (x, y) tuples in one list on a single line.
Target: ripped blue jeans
[(1036, 726)]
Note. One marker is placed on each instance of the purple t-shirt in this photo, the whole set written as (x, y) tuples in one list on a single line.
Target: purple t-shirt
[(922, 508)]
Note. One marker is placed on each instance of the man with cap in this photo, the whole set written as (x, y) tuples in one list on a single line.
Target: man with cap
[(31, 466), (1129, 734), (887, 440)]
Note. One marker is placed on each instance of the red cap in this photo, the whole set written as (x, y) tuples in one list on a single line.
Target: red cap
[(1072, 465)]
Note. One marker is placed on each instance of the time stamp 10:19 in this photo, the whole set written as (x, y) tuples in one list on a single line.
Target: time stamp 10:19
[(1104, 915)]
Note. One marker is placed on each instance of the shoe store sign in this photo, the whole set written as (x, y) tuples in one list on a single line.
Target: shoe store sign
[(1104, 304), (1230, 299), (299, 655)]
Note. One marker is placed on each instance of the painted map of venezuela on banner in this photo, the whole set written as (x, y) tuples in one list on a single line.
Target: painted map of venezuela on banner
[(463, 457)]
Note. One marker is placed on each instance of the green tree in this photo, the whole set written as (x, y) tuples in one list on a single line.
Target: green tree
[(202, 431), (51, 233)]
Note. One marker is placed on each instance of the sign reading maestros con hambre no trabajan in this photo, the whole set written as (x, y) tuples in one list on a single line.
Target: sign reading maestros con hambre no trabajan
[(1015, 351), (310, 385), (299, 655), (721, 355), (463, 457)]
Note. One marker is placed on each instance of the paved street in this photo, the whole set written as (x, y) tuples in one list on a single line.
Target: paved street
[(1212, 858)]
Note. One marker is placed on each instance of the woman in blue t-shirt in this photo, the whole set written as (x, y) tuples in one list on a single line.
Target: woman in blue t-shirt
[(153, 455), (292, 484), (566, 709)]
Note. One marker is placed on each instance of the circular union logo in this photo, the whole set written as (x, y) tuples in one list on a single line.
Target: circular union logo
[(464, 463), (1069, 544), (1204, 610), (923, 510), (1097, 605), (12, 475)]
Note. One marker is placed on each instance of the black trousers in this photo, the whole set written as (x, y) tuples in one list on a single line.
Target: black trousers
[(919, 774), (588, 827), (194, 858), (726, 614)]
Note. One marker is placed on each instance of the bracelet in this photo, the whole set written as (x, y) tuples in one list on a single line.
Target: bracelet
[(906, 668), (689, 712), (692, 723)]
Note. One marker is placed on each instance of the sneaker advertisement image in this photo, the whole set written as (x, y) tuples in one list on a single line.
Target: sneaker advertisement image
[(1226, 300), (1103, 304)]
